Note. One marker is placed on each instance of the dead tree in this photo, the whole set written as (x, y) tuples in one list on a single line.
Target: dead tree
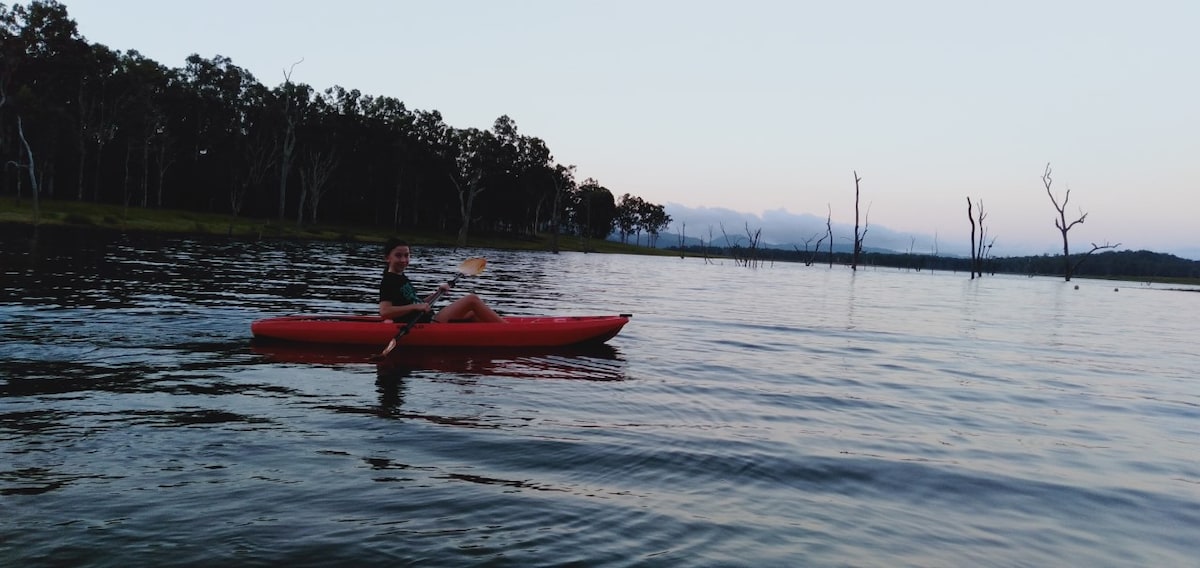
[(858, 237), (287, 144), (829, 231), (1064, 226), (978, 249), (682, 238), (314, 180), (750, 257), (810, 257), (754, 240), (971, 218), (33, 179), (704, 246), (258, 158)]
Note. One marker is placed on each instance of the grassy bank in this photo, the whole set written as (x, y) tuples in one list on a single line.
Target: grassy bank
[(167, 221)]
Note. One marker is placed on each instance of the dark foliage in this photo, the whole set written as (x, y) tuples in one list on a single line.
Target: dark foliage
[(112, 127)]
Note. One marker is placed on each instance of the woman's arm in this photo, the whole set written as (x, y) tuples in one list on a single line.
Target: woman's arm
[(443, 287)]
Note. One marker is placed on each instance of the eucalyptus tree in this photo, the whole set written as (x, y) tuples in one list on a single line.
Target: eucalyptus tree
[(145, 83), (474, 154), (219, 99), (428, 134), (564, 185), (293, 103), (371, 140), (316, 168), (518, 188), (102, 97), (503, 207), (537, 194), (254, 148), (628, 218), (12, 53), (654, 220), (393, 126), (364, 149), (594, 211), (44, 60)]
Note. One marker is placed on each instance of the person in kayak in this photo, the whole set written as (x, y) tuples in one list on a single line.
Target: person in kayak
[(398, 300)]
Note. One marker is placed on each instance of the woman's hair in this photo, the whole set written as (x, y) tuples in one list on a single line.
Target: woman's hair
[(392, 243)]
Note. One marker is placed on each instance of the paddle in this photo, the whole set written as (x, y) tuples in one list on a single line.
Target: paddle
[(469, 267)]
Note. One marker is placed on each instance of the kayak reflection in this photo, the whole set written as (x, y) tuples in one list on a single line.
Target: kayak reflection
[(592, 363)]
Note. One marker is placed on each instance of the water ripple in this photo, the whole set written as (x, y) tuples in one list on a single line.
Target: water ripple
[(877, 418)]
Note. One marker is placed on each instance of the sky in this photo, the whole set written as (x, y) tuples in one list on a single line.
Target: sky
[(763, 112)]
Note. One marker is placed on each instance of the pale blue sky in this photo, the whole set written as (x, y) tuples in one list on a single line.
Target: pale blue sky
[(757, 106)]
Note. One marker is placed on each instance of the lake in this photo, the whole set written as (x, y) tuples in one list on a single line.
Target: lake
[(784, 415)]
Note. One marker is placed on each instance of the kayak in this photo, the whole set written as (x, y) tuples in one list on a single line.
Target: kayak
[(520, 331)]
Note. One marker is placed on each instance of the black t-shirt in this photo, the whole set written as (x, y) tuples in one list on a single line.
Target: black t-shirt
[(397, 289)]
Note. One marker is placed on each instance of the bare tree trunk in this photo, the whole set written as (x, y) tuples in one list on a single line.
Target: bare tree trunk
[(126, 194), (33, 180), (752, 259), (316, 178), (163, 163), (857, 237), (145, 172), (978, 249), (971, 218), (554, 215), (289, 143), (981, 251), (466, 202), (829, 232), (682, 239)]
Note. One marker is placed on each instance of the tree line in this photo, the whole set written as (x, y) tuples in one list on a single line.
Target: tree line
[(79, 121)]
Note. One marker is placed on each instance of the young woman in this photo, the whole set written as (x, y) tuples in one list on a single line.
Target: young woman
[(398, 300)]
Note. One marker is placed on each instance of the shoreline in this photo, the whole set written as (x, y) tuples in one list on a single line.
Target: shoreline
[(105, 217)]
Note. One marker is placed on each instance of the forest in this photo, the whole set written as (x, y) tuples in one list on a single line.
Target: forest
[(79, 121)]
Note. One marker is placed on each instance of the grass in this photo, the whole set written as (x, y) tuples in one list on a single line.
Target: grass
[(168, 221)]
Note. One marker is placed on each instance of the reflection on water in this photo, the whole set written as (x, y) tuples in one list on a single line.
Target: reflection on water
[(592, 363)]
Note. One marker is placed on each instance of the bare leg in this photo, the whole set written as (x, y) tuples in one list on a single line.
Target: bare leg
[(469, 307)]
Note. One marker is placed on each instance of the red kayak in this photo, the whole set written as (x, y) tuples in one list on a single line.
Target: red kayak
[(520, 331)]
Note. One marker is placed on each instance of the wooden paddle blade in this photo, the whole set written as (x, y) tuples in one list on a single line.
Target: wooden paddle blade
[(390, 346), (472, 266)]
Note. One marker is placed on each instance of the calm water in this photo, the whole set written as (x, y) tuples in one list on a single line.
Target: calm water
[(787, 415)]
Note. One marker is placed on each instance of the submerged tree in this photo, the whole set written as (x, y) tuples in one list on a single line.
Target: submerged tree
[(829, 231), (1064, 227), (979, 250), (858, 237)]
